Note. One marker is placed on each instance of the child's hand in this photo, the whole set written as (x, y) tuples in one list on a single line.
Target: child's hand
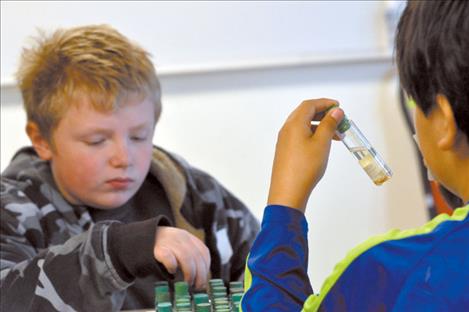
[(302, 152), (178, 248)]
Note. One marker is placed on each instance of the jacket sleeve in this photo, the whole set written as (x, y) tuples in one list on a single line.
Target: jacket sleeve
[(276, 276), (74, 275), (231, 226)]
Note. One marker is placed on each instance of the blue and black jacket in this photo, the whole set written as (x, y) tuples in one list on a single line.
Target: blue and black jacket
[(423, 269)]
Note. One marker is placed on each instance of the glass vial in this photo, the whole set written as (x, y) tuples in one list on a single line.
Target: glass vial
[(368, 158)]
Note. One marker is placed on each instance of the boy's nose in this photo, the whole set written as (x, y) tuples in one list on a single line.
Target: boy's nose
[(120, 157)]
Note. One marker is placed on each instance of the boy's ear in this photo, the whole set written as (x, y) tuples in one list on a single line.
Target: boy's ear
[(449, 129), (40, 144)]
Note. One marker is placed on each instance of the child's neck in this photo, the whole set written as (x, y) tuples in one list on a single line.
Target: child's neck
[(463, 181), (460, 169)]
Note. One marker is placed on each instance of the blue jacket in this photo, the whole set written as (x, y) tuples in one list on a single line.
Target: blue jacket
[(423, 269)]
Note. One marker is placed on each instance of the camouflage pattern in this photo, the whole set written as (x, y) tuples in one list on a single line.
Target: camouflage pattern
[(55, 258)]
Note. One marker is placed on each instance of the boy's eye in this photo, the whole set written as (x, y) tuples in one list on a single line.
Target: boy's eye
[(139, 138), (95, 142)]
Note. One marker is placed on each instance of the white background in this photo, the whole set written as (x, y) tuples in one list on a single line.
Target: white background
[(231, 72)]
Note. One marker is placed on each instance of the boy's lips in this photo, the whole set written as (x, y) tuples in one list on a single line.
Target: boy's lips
[(120, 183)]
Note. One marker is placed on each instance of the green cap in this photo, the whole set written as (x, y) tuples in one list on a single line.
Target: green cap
[(161, 283), (200, 298), (216, 282), (222, 300), (238, 290), (203, 307), (236, 297), (236, 284), (162, 289), (218, 295), (219, 289), (181, 288), (164, 307), (183, 299), (162, 293), (183, 306)]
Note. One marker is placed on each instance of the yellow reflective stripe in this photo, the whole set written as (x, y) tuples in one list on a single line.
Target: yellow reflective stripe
[(247, 282), (313, 302), (411, 103)]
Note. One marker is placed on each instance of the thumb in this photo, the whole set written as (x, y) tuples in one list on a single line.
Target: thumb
[(328, 125)]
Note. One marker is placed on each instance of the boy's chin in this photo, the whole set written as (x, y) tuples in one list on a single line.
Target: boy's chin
[(109, 203)]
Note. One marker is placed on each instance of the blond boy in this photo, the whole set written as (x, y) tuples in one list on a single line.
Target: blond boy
[(93, 214)]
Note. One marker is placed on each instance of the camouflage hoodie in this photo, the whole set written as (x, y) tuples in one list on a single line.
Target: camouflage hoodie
[(54, 257)]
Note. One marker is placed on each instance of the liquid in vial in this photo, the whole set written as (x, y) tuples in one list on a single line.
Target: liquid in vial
[(371, 165)]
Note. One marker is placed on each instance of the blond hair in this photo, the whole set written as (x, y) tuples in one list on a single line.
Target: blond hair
[(94, 62)]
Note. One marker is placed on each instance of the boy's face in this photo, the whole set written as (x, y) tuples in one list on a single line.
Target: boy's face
[(422, 132), (100, 159)]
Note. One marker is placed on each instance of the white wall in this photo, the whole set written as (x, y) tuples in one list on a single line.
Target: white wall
[(184, 34), (231, 72)]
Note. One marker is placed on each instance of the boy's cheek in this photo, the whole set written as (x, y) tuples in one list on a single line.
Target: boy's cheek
[(145, 154)]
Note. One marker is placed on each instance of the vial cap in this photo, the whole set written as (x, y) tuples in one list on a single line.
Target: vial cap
[(216, 281), (236, 297), (181, 288), (218, 295), (236, 290), (161, 283), (162, 289), (201, 298), (162, 293), (164, 307), (203, 307), (219, 289), (236, 284)]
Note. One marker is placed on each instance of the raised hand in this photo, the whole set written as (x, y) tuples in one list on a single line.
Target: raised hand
[(302, 152)]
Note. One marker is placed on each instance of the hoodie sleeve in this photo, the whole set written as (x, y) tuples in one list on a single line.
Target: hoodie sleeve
[(74, 275)]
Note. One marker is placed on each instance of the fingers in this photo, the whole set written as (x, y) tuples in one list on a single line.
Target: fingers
[(177, 248), (203, 268), (195, 264), (167, 258), (310, 109), (335, 138), (314, 111), (189, 267), (302, 152)]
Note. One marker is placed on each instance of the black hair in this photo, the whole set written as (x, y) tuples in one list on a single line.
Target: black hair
[(432, 54)]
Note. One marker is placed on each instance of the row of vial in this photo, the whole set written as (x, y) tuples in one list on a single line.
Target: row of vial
[(217, 298)]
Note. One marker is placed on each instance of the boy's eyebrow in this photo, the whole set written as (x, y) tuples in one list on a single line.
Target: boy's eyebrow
[(140, 126), (108, 131)]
